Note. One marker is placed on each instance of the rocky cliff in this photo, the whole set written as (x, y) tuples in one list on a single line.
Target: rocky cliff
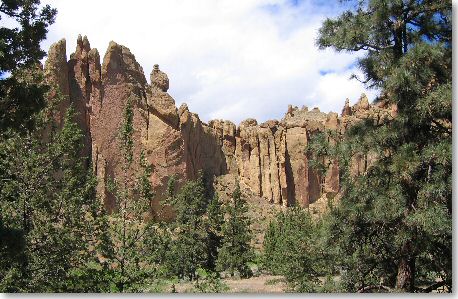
[(269, 159)]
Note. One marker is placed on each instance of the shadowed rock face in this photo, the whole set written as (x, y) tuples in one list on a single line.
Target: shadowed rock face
[(56, 74), (268, 158)]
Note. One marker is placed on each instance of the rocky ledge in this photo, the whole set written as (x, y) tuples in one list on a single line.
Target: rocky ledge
[(269, 158)]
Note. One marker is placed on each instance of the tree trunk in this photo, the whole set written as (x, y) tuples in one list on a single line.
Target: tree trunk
[(406, 270)]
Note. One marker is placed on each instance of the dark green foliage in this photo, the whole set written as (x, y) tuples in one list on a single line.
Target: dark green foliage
[(394, 223), (20, 46), (188, 251), (213, 224), (131, 235), (20, 52), (190, 203), (48, 208), (295, 247), (45, 197), (196, 230), (236, 251), (209, 282), (387, 30), (126, 133)]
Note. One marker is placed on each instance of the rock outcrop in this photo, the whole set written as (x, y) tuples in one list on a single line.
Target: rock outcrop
[(56, 74), (269, 159)]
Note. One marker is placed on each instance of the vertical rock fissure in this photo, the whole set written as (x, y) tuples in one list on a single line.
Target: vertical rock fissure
[(269, 175), (147, 125), (277, 162)]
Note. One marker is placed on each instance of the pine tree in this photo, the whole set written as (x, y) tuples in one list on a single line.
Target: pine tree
[(48, 208), (214, 223), (131, 232), (44, 198), (394, 223), (20, 50), (236, 250), (189, 249), (196, 231), (295, 247)]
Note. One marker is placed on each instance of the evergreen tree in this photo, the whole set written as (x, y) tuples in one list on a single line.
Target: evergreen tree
[(236, 252), (44, 198), (394, 223), (214, 223), (196, 231), (131, 233), (295, 247), (20, 50), (48, 209), (189, 249), (209, 282)]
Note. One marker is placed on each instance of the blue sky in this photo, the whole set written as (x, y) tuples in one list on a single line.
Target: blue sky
[(226, 59)]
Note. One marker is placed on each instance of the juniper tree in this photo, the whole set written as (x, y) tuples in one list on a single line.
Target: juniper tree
[(295, 247), (19, 50), (45, 197), (131, 232), (189, 249), (196, 231), (48, 207), (236, 251), (213, 226), (394, 222)]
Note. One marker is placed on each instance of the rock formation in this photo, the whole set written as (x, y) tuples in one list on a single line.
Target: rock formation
[(269, 159), (56, 74)]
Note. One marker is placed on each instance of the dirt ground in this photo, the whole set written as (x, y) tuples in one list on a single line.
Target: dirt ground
[(260, 284)]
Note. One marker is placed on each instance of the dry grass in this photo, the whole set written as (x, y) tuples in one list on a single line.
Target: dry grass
[(260, 284)]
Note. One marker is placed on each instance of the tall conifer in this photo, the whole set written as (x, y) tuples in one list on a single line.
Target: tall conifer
[(394, 223)]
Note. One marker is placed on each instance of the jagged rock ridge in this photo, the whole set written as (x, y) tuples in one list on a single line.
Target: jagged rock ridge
[(269, 158)]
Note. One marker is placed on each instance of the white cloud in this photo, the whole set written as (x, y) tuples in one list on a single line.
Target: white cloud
[(332, 86), (226, 59)]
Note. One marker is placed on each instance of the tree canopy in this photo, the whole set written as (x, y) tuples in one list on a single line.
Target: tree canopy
[(394, 222), (21, 97)]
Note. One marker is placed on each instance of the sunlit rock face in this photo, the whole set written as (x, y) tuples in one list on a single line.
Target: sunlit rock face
[(269, 159)]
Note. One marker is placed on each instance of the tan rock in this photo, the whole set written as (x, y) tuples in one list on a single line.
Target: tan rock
[(159, 102), (56, 74), (80, 90), (297, 166), (281, 155), (269, 159), (226, 130), (159, 79), (260, 155), (361, 105), (265, 139), (346, 111), (95, 76), (331, 180), (250, 170), (119, 66), (203, 148), (121, 80), (56, 69)]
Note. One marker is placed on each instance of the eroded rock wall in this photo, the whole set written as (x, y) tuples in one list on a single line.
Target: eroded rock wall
[(269, 158)]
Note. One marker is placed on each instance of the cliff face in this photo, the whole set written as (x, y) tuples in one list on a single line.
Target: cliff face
[(269, 158)]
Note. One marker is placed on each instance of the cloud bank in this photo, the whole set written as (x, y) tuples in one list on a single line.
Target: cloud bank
[(226, 59)]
